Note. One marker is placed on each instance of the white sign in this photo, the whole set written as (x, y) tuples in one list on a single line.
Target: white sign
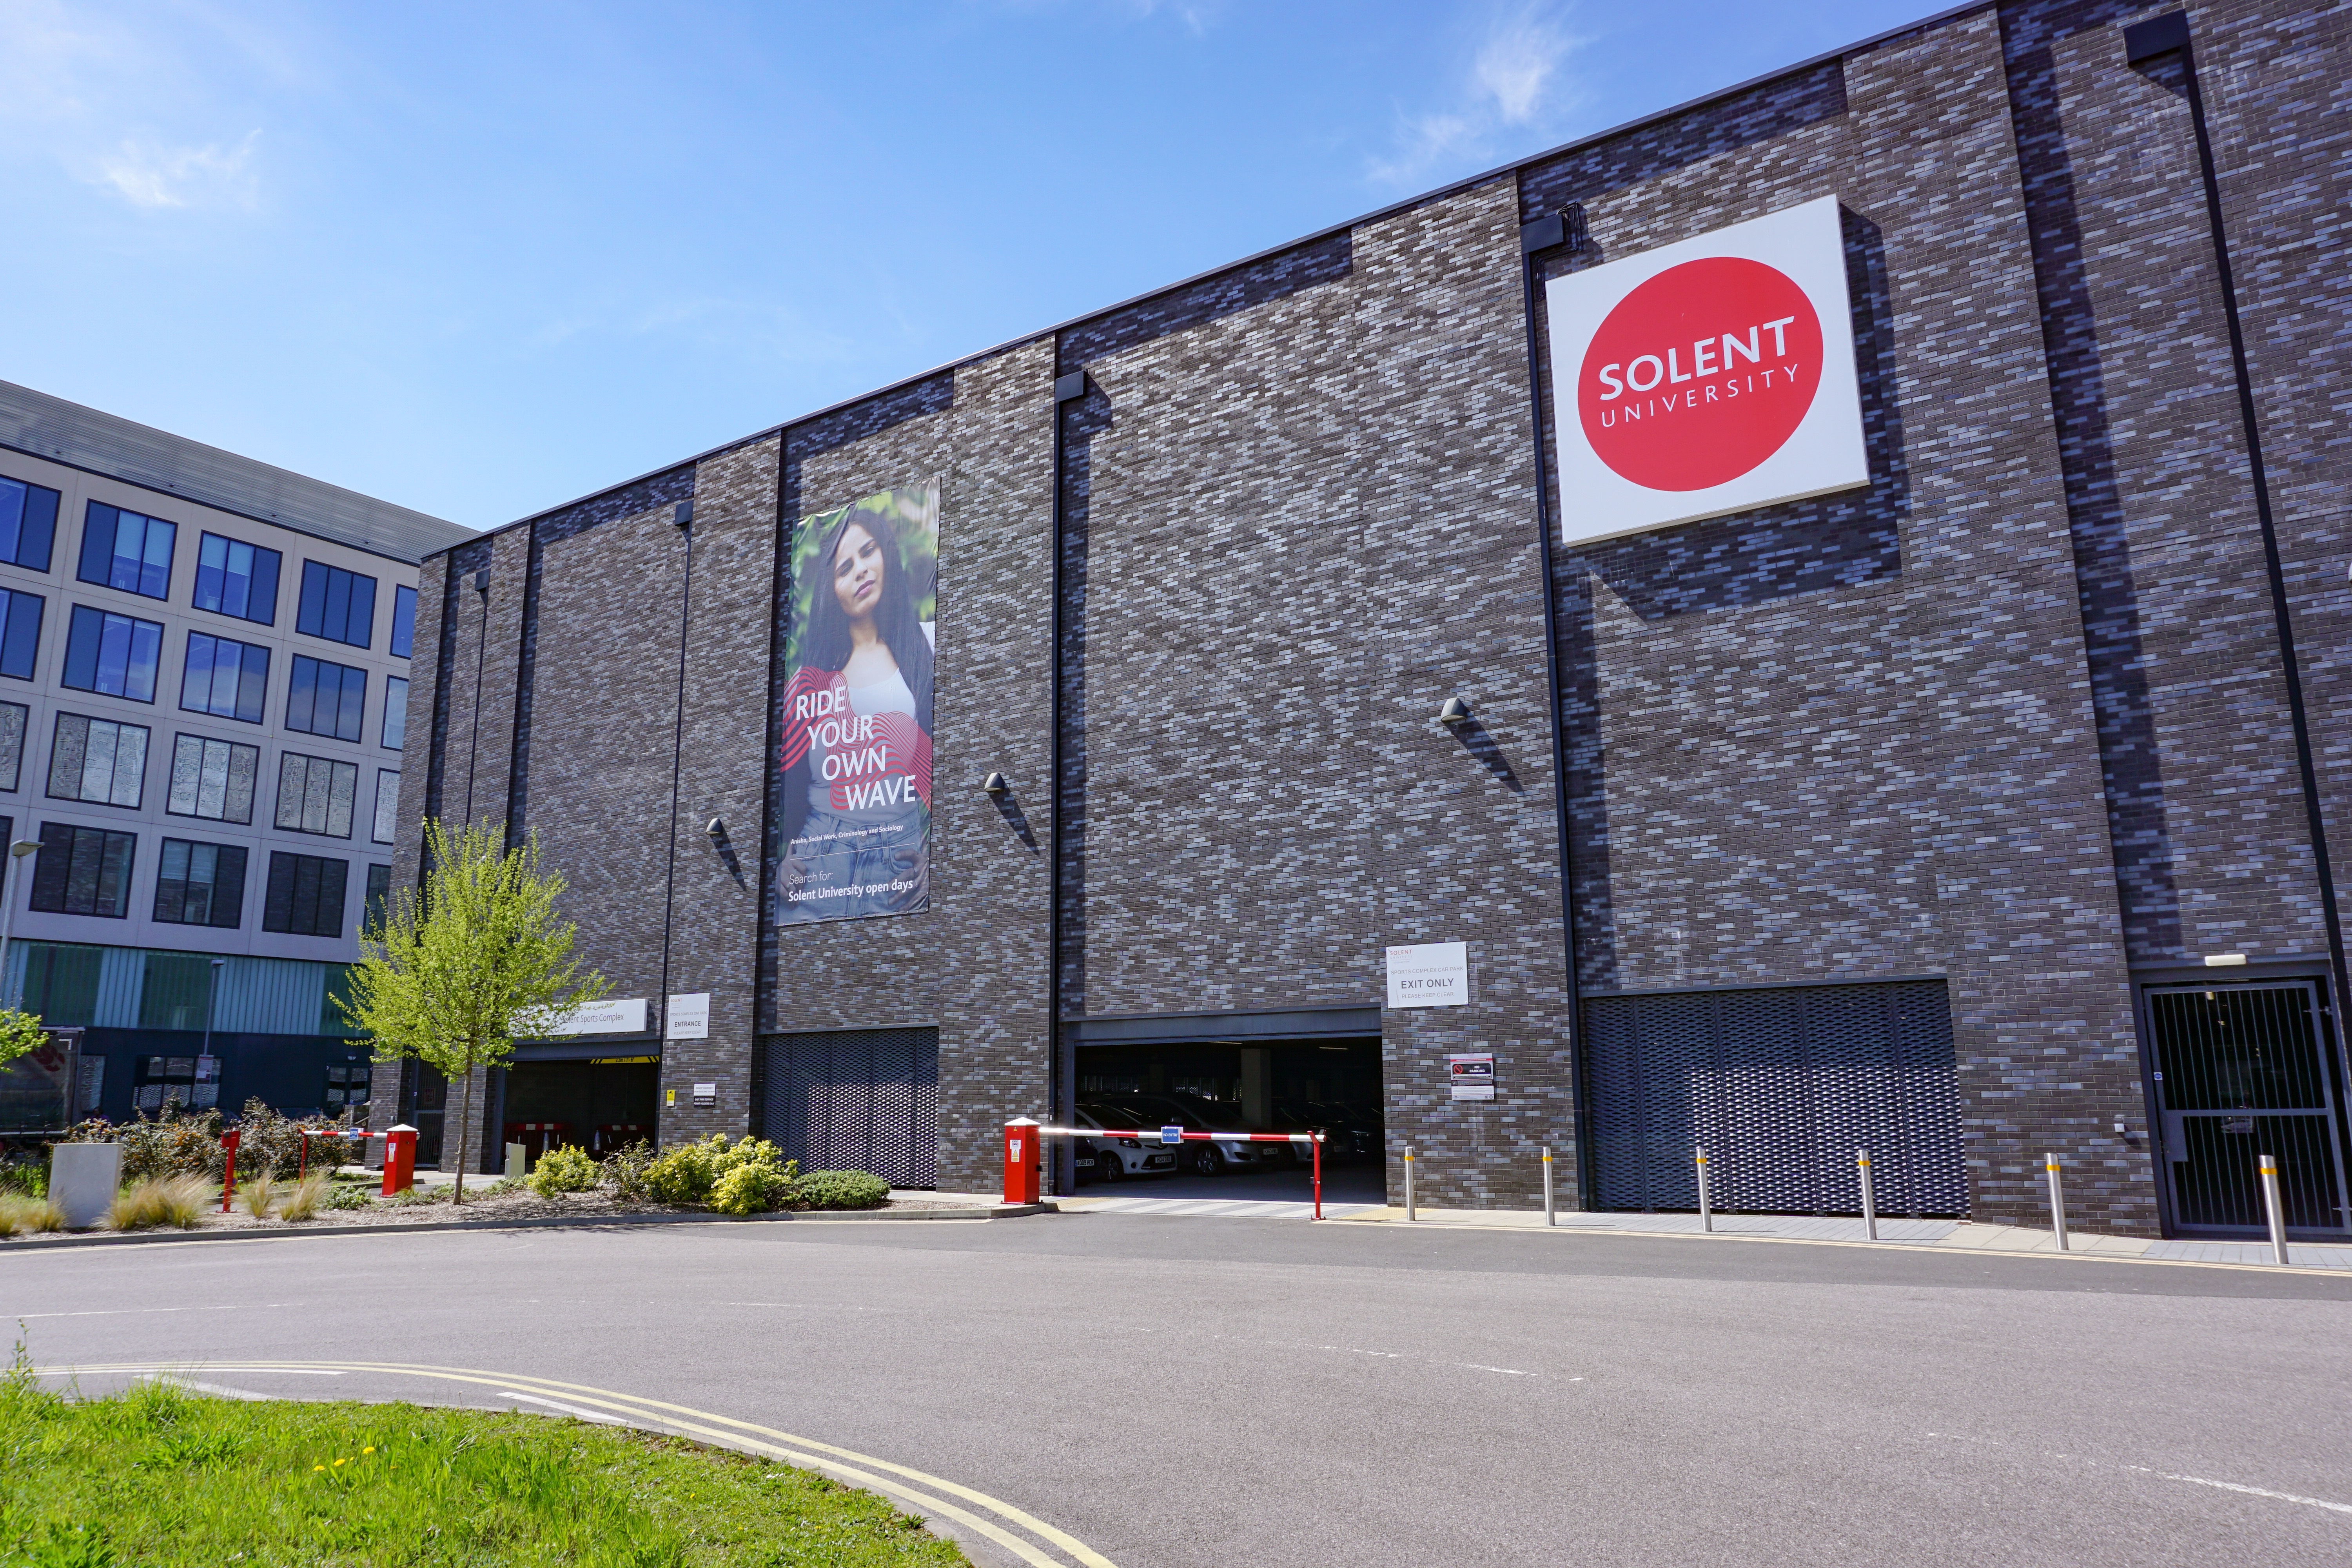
[(1472, 1074), (608, 1017), (1434, 975), (1711, 375), (688, 1018)]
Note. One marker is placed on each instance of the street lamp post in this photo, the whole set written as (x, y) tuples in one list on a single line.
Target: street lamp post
[(17, 851), (212, 990)]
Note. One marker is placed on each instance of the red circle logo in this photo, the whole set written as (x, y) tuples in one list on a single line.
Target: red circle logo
[(1700, 373)]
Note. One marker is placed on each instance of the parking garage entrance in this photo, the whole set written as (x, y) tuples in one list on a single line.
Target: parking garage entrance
[(600, 1103), (1262, 1072)]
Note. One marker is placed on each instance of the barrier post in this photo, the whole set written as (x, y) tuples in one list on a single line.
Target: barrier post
[(1550, 1216), (1408, 1211), (2057, 1201), (1315, 1144), (228, 1182), (1021, 1158), (2268, 1164), (1705, 1203), (399, 1159), (1869, 1198)]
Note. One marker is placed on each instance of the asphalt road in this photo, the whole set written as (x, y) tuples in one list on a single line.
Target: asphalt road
[(1176, 1391)]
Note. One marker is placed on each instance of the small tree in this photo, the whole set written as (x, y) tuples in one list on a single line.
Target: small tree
[(19, 1033), (452, 976)]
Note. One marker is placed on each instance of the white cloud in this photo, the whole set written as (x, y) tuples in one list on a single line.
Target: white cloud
[(148, 176), (1514, 80)]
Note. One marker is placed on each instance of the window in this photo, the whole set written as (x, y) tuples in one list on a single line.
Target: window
[(337, 605), (234, 578), (379, 894), (305, 896), (224, 679), (192, 1082), (347, 1091), (404, 620), (82, 871), (315, 795), (395, 711), (326, 699), (28, 525), (200, 884), (128, 551), (213, 778), (112, 654), (97, 761), (387, 803), (13, 718), (20, 632)]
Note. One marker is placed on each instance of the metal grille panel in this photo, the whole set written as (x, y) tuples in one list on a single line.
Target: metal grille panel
[(2243, 1071), (1781, 1086), (865, 1099)]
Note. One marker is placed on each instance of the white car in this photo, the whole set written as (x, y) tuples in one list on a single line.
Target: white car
[(1116, 1158)]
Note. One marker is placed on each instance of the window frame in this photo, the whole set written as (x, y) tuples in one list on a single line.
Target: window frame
[(403, 621), (310, 613), (47, 530), (277, 575), (74, 623), (144, 567), (21, 645), (180, 740), (294, 860), (163, 880), (125, 870), (392, 709), (299, 689), (334, 765), (58, 750), (259, 680)]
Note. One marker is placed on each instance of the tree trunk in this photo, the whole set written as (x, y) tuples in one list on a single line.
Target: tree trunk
[(465, 1117)]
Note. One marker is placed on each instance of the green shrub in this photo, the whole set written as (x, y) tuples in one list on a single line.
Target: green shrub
[(842, 1190), (351, 1195), (24, 1178), (753, 1187), (175, 1143), (564, 1168), (691, 1173), (624, 1171)]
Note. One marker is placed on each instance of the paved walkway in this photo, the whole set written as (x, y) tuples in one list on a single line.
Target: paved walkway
[(1940, 1234)]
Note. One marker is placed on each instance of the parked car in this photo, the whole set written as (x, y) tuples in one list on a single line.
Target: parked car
[(1196, 1157), (1118, 1159), (1350, 1134)]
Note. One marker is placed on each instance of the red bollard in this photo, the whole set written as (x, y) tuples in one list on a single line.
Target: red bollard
[(1022, 1150), (399, 1159), (228, 1182)]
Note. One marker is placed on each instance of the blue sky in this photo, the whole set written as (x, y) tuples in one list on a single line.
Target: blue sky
[(481, 259)]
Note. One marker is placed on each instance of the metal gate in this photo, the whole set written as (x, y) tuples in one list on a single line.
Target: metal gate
[(1780, 1086), (2242, 1071), (863, 1099)]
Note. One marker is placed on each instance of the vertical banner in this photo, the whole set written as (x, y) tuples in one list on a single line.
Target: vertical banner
[(856, 758)]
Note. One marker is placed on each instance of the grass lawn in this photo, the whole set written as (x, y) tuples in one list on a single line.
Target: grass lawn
[(159, 1476)]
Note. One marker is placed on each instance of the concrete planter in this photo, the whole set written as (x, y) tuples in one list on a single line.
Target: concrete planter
[(83, 1180)]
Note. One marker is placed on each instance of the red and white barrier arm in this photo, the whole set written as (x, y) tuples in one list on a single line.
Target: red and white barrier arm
[(1159, 1135)]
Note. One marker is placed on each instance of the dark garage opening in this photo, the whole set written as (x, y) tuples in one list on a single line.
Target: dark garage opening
[(599, 1104), (1259, 1085)]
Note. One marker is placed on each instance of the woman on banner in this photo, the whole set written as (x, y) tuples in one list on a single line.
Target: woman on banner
[(856, 735)]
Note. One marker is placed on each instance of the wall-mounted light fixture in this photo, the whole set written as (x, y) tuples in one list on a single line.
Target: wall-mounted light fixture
[(482, 581), (994, 785), (1455, 712), (716, 830), (683, 513)]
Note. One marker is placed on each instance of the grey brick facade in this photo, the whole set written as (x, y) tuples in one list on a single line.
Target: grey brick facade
[(2014, 716)]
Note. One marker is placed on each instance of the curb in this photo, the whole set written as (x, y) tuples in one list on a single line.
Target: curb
[(551, 1222)]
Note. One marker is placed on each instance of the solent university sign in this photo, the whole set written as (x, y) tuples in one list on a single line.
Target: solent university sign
[(1708, 376)]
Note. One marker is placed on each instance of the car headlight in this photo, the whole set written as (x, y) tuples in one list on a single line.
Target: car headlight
[(1130, 1143)]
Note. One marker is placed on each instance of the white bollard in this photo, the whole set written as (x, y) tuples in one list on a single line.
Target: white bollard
[(2057, 1202), (1409, 1212), (2268, 1164), (1869, 1197), (1705, 1204), (1550, 1216)]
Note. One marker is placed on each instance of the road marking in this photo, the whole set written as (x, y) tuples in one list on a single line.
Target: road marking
[(2160, 1475), (567, 1409), (214, 1388), (684, 1419)]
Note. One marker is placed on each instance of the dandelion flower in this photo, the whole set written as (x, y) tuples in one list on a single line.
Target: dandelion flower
[(369, 1450), (339, 1463), (318, 1466)]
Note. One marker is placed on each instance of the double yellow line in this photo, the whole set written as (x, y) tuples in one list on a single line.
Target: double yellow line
[(911, 1487)]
